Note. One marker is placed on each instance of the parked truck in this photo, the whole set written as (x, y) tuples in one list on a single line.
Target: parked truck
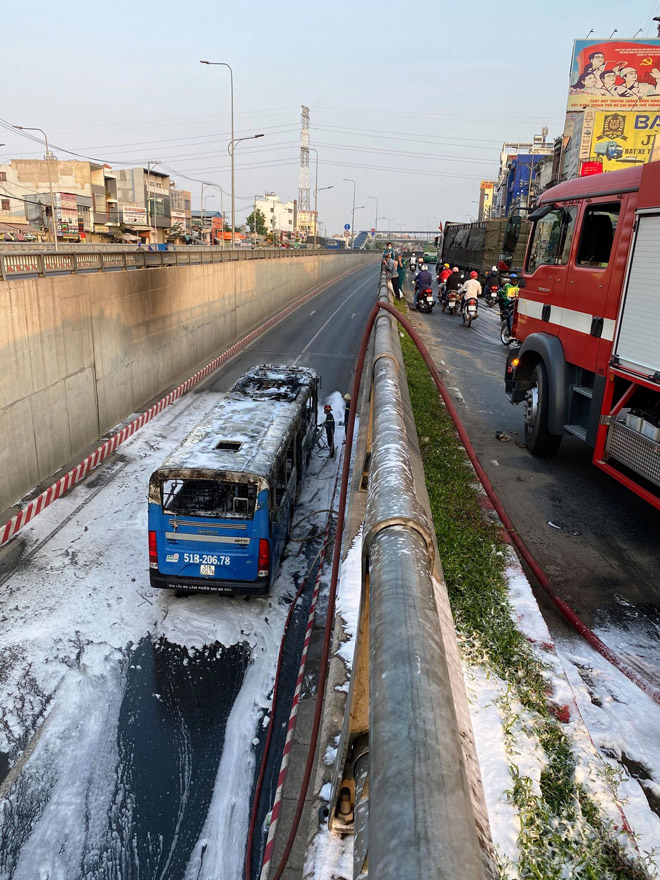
[(588, 324), (489, 243)]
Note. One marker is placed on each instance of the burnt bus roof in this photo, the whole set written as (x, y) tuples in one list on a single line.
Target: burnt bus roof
[(268, 382), (246, 431)]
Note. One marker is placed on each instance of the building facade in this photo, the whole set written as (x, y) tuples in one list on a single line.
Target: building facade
[(84, 197), (280, 216)]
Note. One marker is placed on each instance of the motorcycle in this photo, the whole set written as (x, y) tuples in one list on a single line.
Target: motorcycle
[(507, 312), (425, 301), (470, 310), (491, 296), (450, 302)]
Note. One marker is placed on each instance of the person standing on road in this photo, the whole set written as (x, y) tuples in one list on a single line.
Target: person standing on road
[(392, 276), (401, 270), (329, 426)]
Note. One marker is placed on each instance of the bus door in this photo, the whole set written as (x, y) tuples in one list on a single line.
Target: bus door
[(212, 526)]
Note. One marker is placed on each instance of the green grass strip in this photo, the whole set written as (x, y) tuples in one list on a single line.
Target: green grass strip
[(563, 833)]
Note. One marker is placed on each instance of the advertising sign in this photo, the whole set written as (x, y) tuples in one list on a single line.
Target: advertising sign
[(134, 214), (620, 140), (66, 215), (178, 217), (615, 74)]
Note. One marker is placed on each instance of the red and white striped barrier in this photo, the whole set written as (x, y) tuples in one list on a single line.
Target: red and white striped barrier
[(13, 526), (293, 715)]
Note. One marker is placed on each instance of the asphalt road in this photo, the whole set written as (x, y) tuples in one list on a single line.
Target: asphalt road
[(604, 557), (323, 334)]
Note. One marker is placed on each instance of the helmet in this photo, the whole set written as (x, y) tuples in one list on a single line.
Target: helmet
[(445, 265), (474, 274), (424, 267), (513, 275), (347, 396), (455, 269), (493, 269), (327, 408)]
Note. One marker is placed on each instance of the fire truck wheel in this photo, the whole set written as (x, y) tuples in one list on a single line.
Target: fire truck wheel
[(538, 438)]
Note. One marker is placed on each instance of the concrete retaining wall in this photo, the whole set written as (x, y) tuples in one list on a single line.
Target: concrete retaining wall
[(79, 353)]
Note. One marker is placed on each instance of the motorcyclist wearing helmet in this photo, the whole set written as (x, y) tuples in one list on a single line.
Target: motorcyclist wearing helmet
[(453, 283), (443, 273), (492, 279), (423, 281), (413, 262), (471, 288), (508, 292)]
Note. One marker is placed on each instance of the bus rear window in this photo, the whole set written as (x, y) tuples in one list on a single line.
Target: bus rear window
[(218, 498)]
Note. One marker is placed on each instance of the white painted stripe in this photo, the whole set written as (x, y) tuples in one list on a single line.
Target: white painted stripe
[(561, 317), (180, 537)]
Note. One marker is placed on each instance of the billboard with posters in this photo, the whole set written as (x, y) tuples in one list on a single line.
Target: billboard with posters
[(615, 75), (620, 140)]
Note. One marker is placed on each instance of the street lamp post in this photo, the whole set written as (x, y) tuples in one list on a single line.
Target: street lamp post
[(231, 147), (233, 189), (316, 192), (376, 200), (316, 186), (350, 180), (50, 179)]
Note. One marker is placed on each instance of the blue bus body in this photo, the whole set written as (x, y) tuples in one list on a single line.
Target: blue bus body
[(221, 505)]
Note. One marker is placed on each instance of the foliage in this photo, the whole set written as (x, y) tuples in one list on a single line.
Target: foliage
[(261, 222)]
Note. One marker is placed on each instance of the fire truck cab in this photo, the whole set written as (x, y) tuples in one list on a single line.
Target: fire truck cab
[(588, 322)]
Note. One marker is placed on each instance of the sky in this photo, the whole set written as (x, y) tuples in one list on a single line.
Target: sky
[(413, 103)]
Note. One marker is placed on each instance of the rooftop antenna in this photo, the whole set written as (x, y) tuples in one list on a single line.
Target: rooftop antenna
[(615, 31), (589, 34), (637, 32)]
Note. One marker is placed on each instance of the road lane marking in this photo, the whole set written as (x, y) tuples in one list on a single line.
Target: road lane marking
[(318, 333)]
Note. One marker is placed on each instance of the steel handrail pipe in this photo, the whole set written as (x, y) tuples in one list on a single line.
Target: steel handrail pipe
[(413, 815), (421, 822)]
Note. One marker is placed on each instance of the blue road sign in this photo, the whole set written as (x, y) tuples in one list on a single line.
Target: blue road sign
[(347, 226)]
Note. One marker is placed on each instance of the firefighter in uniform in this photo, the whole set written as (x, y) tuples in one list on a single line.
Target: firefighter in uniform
[(329, 429)]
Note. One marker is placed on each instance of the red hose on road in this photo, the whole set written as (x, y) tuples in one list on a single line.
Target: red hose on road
[(568, 612)]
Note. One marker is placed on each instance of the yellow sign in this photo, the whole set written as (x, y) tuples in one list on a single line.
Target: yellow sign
[(621, 140)]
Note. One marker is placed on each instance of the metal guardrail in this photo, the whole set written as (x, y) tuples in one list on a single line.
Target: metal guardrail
[(400, 783), (41, 263)]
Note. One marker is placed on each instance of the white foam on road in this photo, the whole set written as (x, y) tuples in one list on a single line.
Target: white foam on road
[(72, 610)]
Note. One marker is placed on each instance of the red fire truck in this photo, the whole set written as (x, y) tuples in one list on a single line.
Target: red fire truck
[(588, 324)]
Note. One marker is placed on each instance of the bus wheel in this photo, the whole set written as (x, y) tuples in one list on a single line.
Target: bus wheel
[(538, 438)]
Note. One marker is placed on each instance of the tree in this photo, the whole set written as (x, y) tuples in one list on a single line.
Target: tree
[(261, 222)]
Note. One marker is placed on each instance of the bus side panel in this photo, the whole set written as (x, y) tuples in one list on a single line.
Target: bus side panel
[(279, 528)]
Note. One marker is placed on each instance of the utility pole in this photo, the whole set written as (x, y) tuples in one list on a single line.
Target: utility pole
[(151, 214)]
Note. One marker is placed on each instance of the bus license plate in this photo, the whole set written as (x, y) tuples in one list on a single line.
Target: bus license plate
[(207, 569)]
